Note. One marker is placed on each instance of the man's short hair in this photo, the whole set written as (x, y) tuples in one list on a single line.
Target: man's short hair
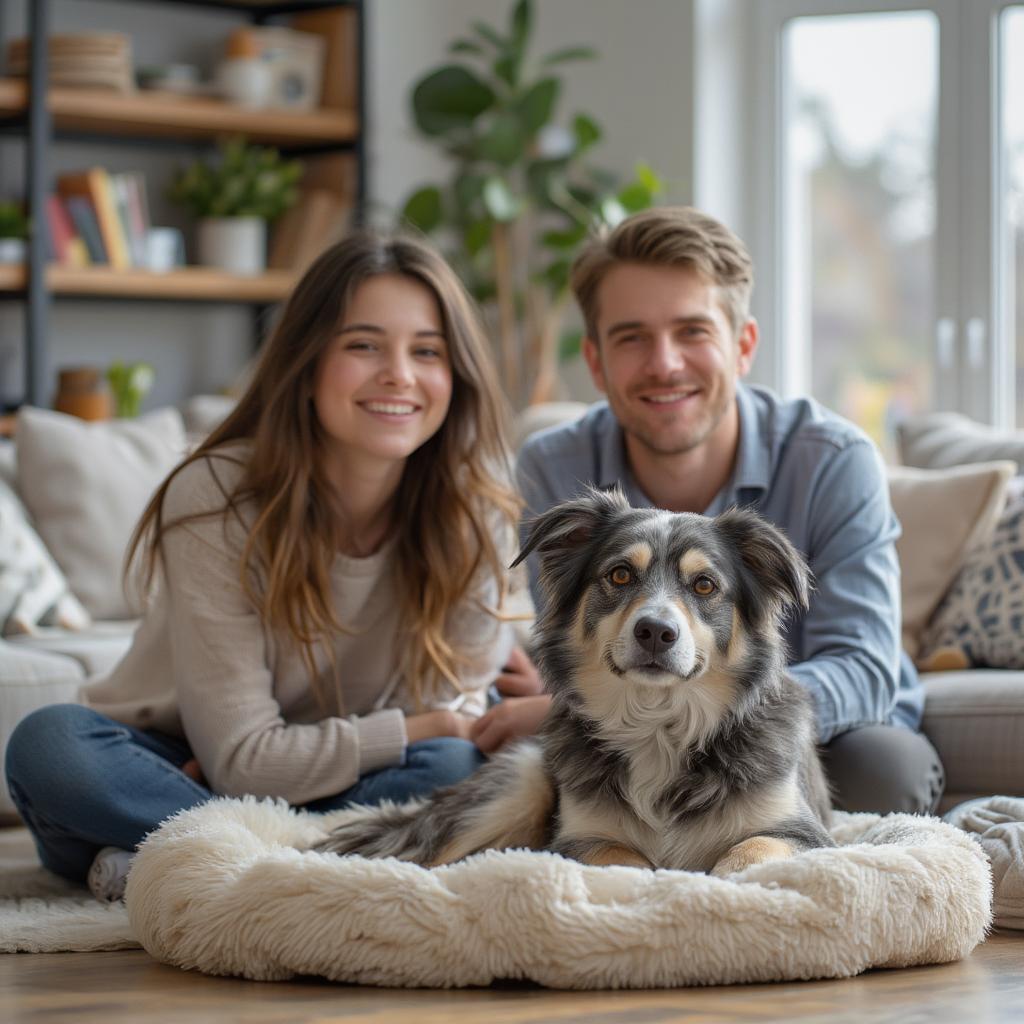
[(667, 236)]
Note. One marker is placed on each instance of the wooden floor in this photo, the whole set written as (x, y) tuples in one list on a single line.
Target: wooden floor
[(106, 988)]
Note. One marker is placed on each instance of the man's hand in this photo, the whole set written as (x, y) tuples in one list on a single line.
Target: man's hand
[(512, 718), (519, 677)]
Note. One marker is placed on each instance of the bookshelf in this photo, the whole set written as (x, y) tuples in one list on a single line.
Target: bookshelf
[(157, 114), (201, 284), (46, 115)]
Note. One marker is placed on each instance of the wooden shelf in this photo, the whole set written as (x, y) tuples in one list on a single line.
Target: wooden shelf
[(196, 283), (154, 114)]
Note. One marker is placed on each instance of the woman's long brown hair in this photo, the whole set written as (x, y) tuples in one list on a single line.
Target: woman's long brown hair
[(454, 502)]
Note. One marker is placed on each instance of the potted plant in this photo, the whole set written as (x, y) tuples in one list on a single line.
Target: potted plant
[(523, 192), (129, 384), (13, 232), (234, 195)]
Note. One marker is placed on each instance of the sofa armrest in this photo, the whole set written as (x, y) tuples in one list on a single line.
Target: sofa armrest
[(30, 679)]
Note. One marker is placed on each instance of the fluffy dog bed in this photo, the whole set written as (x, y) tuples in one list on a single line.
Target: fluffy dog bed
[(232, 888)]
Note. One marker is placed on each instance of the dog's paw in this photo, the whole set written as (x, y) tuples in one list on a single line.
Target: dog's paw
[(756, 850)]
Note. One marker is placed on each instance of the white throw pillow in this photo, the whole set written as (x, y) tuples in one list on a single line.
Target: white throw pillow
[(945, 513), (33, 591), (86, 485)]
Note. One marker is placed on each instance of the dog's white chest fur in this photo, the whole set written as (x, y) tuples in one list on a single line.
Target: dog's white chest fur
[(656, 729)]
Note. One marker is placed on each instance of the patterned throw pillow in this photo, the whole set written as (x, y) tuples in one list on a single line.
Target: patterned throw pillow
[(33, 590), (982, 614)]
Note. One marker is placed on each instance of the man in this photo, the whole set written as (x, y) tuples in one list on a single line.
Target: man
[(665, 300)]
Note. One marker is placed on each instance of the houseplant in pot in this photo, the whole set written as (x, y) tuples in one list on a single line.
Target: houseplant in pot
[(234, 195), (523, 192), (13, 232)]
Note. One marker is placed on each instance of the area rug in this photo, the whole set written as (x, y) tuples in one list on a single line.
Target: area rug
[(232, 888), (42, 913)]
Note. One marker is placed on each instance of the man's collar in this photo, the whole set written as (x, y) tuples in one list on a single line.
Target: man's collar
[(753, 469), (753, 456)]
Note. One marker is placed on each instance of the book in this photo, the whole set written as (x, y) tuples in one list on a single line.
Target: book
[(118, 190), (94, 185), (83, 216), (59, 230), (138, 215)]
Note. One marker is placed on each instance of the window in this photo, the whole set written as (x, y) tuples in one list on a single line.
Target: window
[(861, 103), (893, 225), (1012, 202)]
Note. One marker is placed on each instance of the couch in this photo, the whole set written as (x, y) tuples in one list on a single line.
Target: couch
[(80, 487)]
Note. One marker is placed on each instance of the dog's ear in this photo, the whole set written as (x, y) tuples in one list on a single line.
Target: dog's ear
[(563, 535), (776, 567), (572, 524)]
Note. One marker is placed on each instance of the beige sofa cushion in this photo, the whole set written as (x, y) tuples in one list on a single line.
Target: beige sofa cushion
[(944, 514), (975, 720), (86, 485)]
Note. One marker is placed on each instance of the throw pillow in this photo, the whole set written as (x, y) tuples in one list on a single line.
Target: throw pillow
[(86, 485), (939, 439), (982, 615), (33, 591), (944, 514)]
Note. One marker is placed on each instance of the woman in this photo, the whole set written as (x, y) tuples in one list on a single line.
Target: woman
[(324, 579)]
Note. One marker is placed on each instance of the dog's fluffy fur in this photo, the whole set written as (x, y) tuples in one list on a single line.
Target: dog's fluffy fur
[(675, 739)]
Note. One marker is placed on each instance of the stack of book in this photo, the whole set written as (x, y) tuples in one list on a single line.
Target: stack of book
[(85, 60), (97, 217)]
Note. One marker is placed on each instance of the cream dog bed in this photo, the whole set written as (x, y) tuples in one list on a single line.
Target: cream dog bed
[(232, 888)]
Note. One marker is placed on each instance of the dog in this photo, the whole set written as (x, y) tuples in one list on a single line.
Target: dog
[(675, 738)]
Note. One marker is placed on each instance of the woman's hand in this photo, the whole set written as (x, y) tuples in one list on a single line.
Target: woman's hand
[(431, 724), (512, 718), (519, 677)]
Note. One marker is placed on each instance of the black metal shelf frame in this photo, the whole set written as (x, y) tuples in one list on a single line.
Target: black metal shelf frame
[(36, 124)]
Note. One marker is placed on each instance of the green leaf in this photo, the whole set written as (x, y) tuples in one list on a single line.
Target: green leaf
[(466, 46), (501, 204), (586, 130), (467, 188), (503, 142), (537, 105), (556, 275), (569, 53), (506, 68), (635, 197), (423, 209), (451, 97), (569, 345), (567, 239), (522, 18), (486, 32), (649, 179), (477, 236)]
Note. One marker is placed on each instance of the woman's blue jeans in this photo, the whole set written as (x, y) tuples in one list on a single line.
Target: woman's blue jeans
[(82, 781)]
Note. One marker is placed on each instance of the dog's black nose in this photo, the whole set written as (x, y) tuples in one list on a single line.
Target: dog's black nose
[(655, 635)]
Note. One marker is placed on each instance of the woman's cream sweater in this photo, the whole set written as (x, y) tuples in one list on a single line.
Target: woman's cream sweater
[(202, 665)]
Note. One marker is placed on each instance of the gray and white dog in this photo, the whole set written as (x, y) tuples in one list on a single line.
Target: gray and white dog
[(674, 739)]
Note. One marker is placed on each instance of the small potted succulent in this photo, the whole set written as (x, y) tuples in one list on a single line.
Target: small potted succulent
[(234, 195), (13, 232)]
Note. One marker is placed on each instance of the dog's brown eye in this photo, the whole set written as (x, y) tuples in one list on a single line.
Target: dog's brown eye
[(620, 576), (704, 586)]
